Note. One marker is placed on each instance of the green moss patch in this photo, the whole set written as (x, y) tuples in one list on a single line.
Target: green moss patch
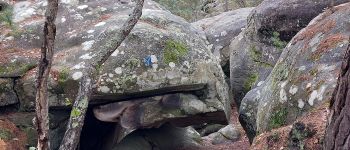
[(6, 15), (277, 42), (278, 118), (249, 82), (15, 69), (5, 134), (173, 51), (257, 57)]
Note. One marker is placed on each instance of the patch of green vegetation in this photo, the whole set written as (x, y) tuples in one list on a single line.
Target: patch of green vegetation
[(277, 42), (249, 82), (173, 51), (313, 71), (15, 68), (63, 76), (281, 72), (67, 102), (127, 82), (6, 16), (5, 134), (257, 56), (31, 134), (75, 112), (278, 119), (132, 63)]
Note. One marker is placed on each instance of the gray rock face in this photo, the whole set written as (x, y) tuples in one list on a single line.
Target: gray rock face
[(221, 29), (166, 137), (270, 26), (7, 96), (304, 76), (163, 72), (227, 134)]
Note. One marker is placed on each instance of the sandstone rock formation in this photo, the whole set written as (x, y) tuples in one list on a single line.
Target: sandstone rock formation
[(304, 76), (163, 72), (270, 26)]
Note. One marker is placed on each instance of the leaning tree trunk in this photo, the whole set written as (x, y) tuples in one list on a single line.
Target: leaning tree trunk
[(338, 130), (72, 135), (42, 106)]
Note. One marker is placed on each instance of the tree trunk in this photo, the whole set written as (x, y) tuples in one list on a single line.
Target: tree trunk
[(72, 135), (42, 105), (338, 130)]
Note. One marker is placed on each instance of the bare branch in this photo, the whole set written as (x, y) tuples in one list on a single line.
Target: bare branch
[(42, 106)]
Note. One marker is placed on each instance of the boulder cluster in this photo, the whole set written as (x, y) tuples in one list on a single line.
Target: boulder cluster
[(172, 84)]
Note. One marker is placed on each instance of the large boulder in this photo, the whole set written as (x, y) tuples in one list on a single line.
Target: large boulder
[(304, 76), (270, 26), (163, 72), (221, 29)]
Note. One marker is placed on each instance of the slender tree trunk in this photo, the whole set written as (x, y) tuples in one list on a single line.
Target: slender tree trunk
[(42, 106), (338, 130), (72, 135)]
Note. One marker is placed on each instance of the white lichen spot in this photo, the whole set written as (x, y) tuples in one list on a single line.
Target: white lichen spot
[(87, 45), (118, 70), (104, 89), (78, 17), (260, 83), (172, 64), (312, 98), (302, 68), (283, 96), (111, 75), (293, 89), (82, 6), (90, 31), (115, 53), (187, 64), (154, 59), (77, 75), (283, 84), (78, 66), (122, 53), (308, 85), (100, 24), (223, 33), (63, 20), (86, 56), (301, 103), (320, 92)]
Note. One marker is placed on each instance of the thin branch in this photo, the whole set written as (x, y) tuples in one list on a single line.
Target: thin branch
[(42, 106)]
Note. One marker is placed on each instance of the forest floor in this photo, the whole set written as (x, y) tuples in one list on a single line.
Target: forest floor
[(11, 137)]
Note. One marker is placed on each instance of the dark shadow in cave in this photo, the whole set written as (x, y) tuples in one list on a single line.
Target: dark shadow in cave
[(96, 135)]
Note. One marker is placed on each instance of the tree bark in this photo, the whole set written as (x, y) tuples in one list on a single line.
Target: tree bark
[(42, 105), (338, 129), (72, 135)]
